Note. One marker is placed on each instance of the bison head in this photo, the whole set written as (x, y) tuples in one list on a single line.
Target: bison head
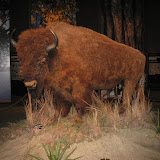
[(32, 48)]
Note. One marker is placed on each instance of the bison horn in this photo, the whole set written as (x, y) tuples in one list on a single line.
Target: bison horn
[(13, 42), (54, 45)]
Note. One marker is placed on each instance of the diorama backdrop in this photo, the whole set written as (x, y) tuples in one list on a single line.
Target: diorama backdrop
[(5, 82)]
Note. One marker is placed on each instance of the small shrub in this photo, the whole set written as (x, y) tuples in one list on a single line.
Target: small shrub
[(56, 153), (154, 122)]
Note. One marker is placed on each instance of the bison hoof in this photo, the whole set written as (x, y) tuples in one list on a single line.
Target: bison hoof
[(77, 122)]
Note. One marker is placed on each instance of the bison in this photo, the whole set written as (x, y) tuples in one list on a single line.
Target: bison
[(73, 61)]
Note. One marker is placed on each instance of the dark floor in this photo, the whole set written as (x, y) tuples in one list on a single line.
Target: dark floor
[(11, 112)]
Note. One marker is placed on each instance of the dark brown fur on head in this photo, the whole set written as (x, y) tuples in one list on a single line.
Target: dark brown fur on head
[(32, 54)]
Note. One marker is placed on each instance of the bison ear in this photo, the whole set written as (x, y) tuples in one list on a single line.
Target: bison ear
[(54, 45)]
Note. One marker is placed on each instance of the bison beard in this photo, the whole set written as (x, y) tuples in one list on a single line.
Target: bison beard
[(83, 61)]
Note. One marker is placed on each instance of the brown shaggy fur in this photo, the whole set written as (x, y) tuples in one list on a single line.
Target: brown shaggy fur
[(83, 61)]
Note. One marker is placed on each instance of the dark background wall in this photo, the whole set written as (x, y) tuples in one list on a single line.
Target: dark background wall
[(20, 15), (152, 43), (152, 25), (20, 19), (88, 14)]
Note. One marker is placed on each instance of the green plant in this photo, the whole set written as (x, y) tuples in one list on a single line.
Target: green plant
[(155, 124), (158, 125), (56, 153)]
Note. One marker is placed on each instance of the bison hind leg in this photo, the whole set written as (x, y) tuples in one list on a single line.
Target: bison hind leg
[(128, 90)]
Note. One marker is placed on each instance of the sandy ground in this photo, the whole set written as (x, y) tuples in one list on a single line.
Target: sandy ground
[(127, 144)]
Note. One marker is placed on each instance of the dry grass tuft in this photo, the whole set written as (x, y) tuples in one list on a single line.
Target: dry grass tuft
[(106, 114), (158, 136), (136, 113), (42, 110), (140, 105)]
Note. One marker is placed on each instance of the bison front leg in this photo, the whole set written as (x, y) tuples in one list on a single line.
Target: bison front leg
[(62, 108), (81, 96)]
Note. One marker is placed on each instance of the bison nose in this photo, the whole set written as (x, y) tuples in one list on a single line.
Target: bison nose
[(31, 84)]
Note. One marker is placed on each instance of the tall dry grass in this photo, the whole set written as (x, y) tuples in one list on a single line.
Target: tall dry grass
[(102, 114), (107, 114), (40, 111)]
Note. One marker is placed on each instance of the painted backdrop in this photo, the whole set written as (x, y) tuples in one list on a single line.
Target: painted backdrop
[(5, 82)]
